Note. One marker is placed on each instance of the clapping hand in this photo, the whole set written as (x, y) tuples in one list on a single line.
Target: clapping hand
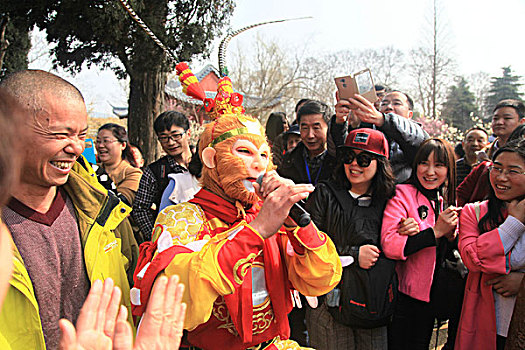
[(102, 324), (408, 227), (446, 222), (163, 321), (96, 321)]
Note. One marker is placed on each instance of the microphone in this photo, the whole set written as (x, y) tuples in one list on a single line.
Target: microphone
[(297, 213)]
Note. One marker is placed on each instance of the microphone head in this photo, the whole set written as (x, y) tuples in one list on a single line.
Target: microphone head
[(259, 179)]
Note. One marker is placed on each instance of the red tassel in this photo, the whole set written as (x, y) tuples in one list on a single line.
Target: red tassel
[(190, 83), (195, 90)]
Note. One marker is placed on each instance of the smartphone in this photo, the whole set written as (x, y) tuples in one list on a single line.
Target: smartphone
[(357, 83)]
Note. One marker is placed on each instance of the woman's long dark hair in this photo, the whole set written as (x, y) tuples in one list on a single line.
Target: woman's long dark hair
[(383, 185), (494, 216), (275, 125), (443, 153), (195, 164), (122, 136)]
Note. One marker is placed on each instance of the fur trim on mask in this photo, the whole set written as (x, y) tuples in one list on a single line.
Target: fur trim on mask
[(226, 178)]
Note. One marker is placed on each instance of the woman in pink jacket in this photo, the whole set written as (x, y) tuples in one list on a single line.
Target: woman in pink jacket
[(492, 242), (414, 225)]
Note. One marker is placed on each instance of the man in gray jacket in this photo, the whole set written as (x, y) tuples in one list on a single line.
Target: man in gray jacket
[(393, 119)]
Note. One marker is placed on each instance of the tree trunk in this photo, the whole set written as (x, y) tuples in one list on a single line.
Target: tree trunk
[(3, 42), (146, 101), (434, 64)]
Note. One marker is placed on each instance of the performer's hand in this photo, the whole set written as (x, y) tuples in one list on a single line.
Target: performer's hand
[(368, 255), (507, 285), (366, 112), (279, 195), (408, 227), (270, 182)]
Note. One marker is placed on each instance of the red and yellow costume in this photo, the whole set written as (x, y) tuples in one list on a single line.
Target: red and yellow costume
[(238, 285)]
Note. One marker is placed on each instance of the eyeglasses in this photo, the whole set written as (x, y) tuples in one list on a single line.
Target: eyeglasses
[(172, 137), (363, 159), (105, 141), (497, 170), (394, 103)]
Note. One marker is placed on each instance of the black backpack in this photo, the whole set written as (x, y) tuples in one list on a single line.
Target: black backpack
[(161, 169), (364, 298)]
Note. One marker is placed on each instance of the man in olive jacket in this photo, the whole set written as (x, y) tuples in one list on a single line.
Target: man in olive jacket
[(67, 230)]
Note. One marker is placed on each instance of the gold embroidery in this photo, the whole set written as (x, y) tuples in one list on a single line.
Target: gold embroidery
[(264, 345), (256, 347), (288, 344), (261, 320), (240, 269), (183, 221), (220, 311), (263, 306)]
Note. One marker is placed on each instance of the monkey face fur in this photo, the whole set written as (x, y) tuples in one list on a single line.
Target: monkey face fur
[(231, 166)]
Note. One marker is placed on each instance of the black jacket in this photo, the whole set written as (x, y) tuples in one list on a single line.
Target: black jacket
[(404, 137), (293, 166), (349, 227)]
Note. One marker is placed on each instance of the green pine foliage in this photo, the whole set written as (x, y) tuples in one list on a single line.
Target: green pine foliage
[(505, 87), (17, 47), (460, 105)]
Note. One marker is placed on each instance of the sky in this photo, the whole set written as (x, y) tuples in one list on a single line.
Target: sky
[(480, 35)]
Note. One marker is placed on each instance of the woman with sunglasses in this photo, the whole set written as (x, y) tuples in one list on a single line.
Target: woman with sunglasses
[(117, 170), (414, 232), (349, 208), (492, 243)]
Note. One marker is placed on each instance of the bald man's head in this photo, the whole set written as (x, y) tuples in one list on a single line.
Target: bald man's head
[(9, 146), (53, 127), (30, 88)]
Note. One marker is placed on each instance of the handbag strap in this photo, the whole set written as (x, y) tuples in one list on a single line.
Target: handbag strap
[(477, 210), (341, 195)]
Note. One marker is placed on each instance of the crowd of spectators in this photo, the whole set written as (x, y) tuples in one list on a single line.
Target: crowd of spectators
[(422, 237)]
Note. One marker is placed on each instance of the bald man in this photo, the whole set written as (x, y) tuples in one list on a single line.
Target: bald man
[(68, 231)]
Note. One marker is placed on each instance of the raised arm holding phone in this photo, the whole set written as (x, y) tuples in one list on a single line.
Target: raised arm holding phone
[(393, 119)]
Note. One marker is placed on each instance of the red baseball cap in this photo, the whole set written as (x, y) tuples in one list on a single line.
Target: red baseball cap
[(369, 140)]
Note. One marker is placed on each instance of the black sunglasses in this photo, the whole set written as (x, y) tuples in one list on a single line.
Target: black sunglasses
[(363, 159)]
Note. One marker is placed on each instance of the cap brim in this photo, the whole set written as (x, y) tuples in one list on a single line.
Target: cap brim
[(361, 149)]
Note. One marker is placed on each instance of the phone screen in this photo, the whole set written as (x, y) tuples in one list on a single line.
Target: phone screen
[(364, 81), (360, 83)]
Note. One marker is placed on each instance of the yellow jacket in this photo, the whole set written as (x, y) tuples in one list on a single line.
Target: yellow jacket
[(109, 251)]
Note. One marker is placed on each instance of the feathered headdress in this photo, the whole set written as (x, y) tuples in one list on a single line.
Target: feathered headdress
[(226, 101), (226, 104)]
